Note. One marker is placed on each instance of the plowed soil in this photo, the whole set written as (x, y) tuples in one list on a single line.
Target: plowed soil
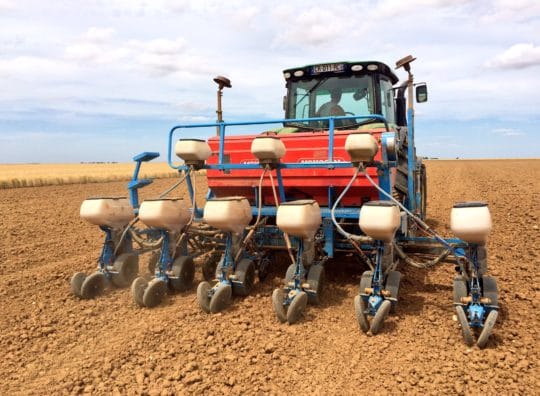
[(54, 343)]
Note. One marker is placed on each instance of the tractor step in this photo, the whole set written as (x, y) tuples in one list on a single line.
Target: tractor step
[(146, 156)]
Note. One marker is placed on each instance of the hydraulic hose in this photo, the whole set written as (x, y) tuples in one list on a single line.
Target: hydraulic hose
[(257, 221), (424, 226), (140, 241), (285, 235), (350, 237)]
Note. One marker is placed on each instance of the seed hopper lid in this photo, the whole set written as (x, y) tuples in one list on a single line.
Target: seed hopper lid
[(235, 198), (92, 198), (380, 203), (164, 199), (300, 202), (472, 204)]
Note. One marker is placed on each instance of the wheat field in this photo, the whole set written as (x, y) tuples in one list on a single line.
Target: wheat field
[(35, 175)]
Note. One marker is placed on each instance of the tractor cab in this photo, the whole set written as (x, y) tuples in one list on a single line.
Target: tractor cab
[(340, 89)]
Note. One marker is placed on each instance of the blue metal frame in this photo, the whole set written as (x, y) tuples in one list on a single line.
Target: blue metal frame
[(384, 167)]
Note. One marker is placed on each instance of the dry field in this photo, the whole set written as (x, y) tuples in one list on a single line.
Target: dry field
[(36, 175), (54, 343)]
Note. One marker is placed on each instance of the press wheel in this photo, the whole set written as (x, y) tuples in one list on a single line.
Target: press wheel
[(138, 287), (278, 297), (126, 268), (465, 328), (76, 283), (488, 328), (209, 267), (392, 285), (93, 285), (152, 263), (365, 281), (490, 290), (154, 293), (221, 298), (297, 307), (359, 310), (183, 272), (289, 275), (315, 279), (202, 296), (245, 274), (380, 316), (460, 289)]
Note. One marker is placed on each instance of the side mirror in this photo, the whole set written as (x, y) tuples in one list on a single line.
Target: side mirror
[(421, 93), (285, 103)]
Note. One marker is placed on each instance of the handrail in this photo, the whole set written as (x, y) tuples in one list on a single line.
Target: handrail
[(222, 125)]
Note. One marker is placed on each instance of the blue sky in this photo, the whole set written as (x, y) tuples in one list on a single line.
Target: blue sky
[(103, 80)]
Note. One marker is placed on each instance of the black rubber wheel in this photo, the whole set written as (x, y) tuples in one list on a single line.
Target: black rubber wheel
[(154, 293), (221, 298), (460, 289), (380, 316), (488, 328), (93, 285), (392, 285), (152, 263), (315, 279), (183, 272), (126, 267), (297, 307), (359, 308), (245, 274), (138, 287), (481, 256), (490, 290), (209, 267), (278, 297), (289, 275), (465, 328), (76, 283), (365, 281), (202, 296)]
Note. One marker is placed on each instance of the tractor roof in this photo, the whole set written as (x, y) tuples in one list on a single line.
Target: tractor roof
[(340, 68)]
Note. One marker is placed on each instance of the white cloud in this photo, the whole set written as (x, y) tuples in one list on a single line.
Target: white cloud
[(6, 5), (507, 132), (160, 46), (313, 27), (32, 67), (518, 56), (512, 10), (99, 35)]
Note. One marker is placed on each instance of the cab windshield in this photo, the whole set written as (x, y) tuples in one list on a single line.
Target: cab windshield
[(331, 96)]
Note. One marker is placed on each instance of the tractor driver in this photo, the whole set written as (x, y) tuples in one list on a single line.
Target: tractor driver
[(332, 108)]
